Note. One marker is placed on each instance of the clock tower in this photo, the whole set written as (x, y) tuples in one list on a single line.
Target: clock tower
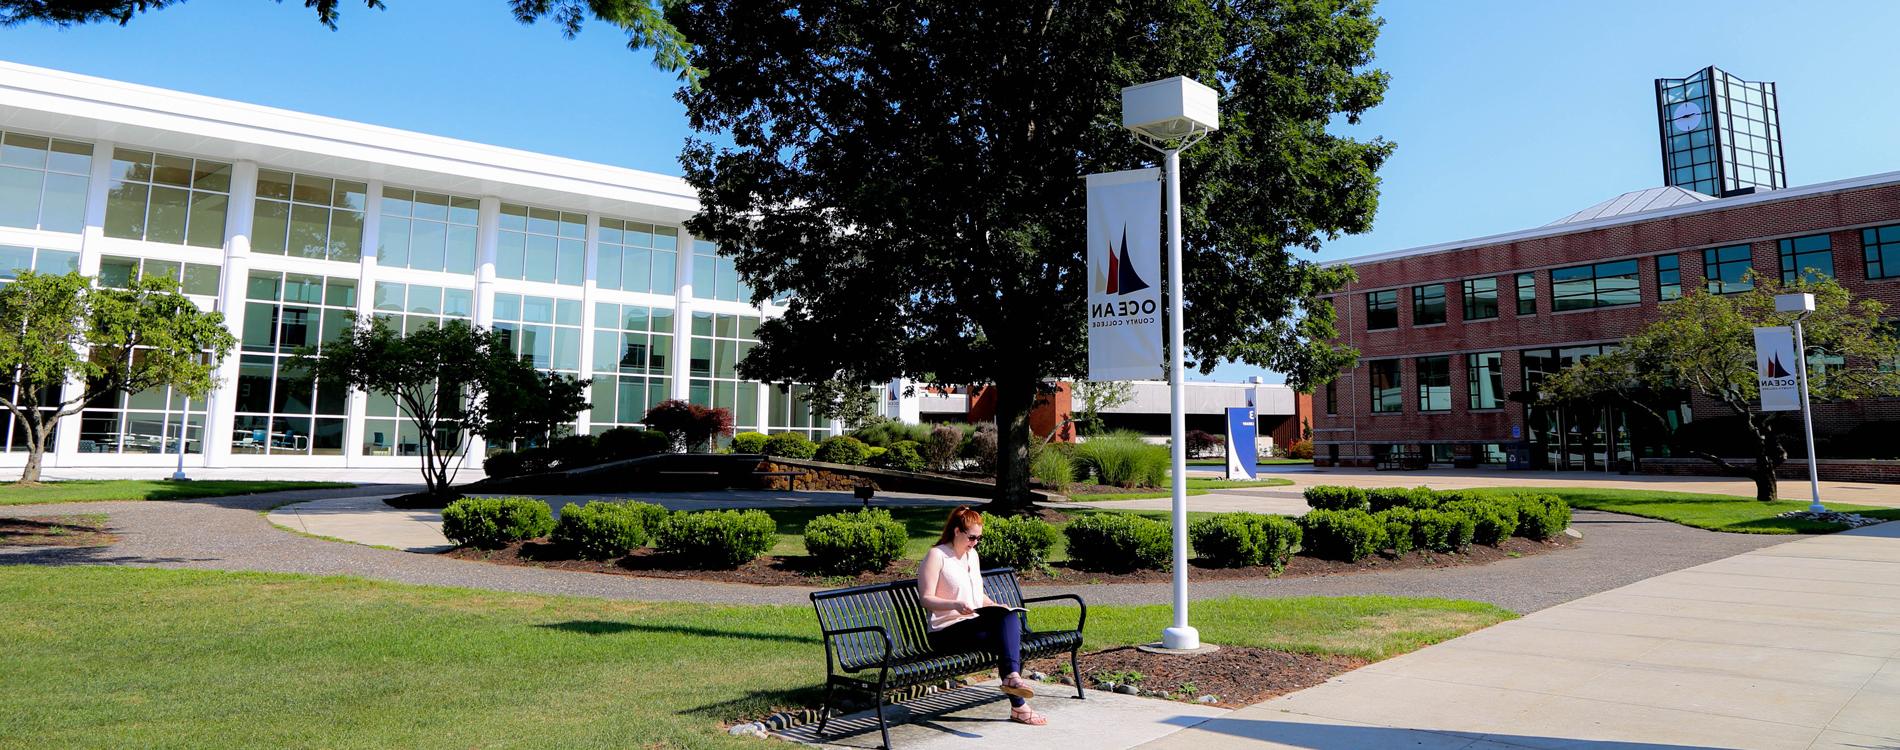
[(1721, 135)]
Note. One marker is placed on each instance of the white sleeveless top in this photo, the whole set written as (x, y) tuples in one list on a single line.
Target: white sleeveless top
[(961, 580)]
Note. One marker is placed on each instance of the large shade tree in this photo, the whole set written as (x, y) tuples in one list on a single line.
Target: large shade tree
[(911, 173), (1704, 344), (57, 331)]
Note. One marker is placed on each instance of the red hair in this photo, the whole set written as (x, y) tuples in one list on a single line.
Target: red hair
[(960, 519)]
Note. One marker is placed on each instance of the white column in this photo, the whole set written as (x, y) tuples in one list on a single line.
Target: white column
[(487, 240), (237, 272), (910, 406), (583, 422), (682, 315), (66, 433), (365, 307)]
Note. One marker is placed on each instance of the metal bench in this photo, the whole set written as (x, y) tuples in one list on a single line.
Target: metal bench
[(881, 627)]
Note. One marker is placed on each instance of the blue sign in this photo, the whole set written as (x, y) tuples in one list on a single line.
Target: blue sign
[(1243, 455)]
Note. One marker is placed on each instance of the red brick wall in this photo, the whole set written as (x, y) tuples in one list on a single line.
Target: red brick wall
[(1353, 426)]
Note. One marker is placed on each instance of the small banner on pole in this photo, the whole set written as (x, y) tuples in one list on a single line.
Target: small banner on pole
[(1124, 226), (1243, 450), (1775, 365)]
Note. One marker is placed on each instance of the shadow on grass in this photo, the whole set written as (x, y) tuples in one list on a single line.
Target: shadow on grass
[(610, 627)]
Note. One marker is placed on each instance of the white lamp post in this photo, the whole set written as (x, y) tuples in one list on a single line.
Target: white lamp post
[(1167, 116), (184, 434), (1802, 305)]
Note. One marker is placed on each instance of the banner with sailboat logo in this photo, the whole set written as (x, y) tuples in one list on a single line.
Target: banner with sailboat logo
[(1775, 366), (1124, 226)]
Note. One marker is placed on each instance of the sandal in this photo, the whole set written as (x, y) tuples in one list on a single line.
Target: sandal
[(1027, 715), (1020, 689)]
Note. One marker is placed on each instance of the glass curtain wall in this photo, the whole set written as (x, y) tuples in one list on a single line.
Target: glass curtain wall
[(637, 257), (281, 409), (714, 276), (149, 421), (43, 182), (539, 244), (306, 216), (719, 341), (428, 231), (175, 200), (632, 347), (407, 308)]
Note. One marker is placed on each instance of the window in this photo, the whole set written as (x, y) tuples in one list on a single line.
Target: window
[(1592, 286), (543, 331), (428, 231), (1727, 269), (1332, 396), (43, 182), (789, 410), (305, 216), (719, 342), (1527, 293), (632, 345), (539, 244), (1442, 453), (1434, 383), (714, 276), (1668, 277), (1484, 379), (13, 260), (637, 257), (1882, 248), (1382, 309), (1808, 258), (281, 409), (1428, 305), (1481, 298), (387, 431), (1386, 382), (194, 279), (175, 200)]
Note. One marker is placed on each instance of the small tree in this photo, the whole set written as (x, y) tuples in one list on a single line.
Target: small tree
[(524, 403), (1704, 344), (854, 404), (1092, 397), (434, 374), (691, 426), (59, 329)]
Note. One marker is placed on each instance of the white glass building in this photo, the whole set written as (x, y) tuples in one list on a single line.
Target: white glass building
[(287, 222)]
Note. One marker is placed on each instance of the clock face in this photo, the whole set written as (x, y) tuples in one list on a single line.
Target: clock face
[(1686, 117)]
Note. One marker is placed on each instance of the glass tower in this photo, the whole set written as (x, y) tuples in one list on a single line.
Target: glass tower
[(1721, 135)]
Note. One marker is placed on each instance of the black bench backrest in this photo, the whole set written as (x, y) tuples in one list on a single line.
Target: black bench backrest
[(897, 608)]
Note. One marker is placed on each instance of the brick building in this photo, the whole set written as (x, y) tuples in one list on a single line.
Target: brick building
[(1446, 333)]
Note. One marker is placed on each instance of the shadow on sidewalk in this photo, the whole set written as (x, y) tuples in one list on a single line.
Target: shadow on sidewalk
[(1328, 736)]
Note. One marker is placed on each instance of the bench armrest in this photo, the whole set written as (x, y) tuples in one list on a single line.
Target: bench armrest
[(1080, 622), (889, 645)]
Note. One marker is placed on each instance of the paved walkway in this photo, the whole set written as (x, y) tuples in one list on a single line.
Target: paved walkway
[(1862, 493), (1791, 647)]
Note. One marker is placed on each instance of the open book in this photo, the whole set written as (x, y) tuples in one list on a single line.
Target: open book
[(998, 610)]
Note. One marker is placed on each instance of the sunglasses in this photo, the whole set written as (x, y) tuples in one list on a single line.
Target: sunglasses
[(974, 538)]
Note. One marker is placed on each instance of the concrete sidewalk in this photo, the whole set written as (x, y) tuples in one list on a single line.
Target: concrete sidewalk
[(1790, 647)]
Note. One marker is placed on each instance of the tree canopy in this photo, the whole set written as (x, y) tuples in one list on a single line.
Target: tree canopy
[(56, 330), (911, 174), (1704, 344)]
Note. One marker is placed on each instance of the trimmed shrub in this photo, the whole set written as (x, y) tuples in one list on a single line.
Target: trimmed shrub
[(1020, 543), (889, 432), (691, 427), (1300, 449), (1401, 529), (1053, 468), (630, 442), (1118, 543), (1444, 530), (1201, 442), (749, 442), (1242, 540), (716, 538), (874, 456), (574, 450), (842, 449), (1496, 520), (855, 542), (940, 451), (1541, 516), (502, 465), (790, 445), (604, 530), (1332, 497), (902, 456), (1123, 459), (1348, 535), (1386, 498), (493, 522)]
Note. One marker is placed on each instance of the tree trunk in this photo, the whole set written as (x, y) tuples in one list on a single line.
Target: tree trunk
[(1014, 398), (1766, 485), (35, 453)]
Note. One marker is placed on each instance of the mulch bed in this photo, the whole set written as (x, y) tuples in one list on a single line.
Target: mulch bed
[(1236, 675), (795, 570), (55, 531)]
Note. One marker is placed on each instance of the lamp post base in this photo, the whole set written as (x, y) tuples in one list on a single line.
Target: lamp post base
[(1184, 638)]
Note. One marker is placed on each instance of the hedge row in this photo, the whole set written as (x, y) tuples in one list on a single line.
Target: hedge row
[(1349, 523), (903, 455), (578, 450)]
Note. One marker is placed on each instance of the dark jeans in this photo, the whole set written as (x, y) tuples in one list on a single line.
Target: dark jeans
[(999, 634)]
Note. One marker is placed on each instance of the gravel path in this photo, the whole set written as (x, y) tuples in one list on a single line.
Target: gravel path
[(231, 534)]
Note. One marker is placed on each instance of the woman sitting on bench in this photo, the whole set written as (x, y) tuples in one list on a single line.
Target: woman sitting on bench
[(950, 583)]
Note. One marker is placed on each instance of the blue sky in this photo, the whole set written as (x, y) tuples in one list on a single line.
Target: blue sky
[(1507, 114)]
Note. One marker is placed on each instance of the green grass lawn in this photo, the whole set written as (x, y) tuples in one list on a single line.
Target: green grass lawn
[(85, 490), (101, 657), (1733, 513)]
